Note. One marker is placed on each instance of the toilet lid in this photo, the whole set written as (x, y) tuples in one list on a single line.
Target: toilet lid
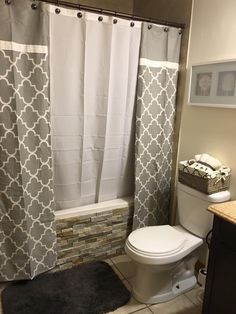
[(157, 240)]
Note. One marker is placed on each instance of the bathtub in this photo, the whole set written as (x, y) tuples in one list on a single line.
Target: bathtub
[(93, 232)]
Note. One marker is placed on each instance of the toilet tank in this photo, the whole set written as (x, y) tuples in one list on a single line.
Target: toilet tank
[(192, 209)]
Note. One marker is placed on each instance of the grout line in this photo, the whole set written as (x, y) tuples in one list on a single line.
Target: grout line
[(189, 299), (113, 265), (111, 261), (140, 310), (123, 277), (136, 311), (130, 277), (150, 306), (197, 303), (184, 295)]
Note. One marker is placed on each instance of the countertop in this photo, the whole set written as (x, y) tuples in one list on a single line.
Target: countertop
[(225, 210)]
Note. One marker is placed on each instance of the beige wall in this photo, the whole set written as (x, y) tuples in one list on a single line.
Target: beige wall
[(211, 130), (125, 6), (170, 10)]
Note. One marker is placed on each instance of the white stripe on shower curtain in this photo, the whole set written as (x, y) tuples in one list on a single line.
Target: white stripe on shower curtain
[(93, 82)]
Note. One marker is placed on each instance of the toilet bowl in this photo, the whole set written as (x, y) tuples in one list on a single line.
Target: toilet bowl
[(165, 256), (164, 265)]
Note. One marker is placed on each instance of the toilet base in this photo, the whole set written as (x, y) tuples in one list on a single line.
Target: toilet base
[(156, 284), (185, 285)]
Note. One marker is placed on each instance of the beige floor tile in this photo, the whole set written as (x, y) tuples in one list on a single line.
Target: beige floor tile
[(119, 274), (127, 284), (131, 281), (124, 264), (130, 307), (179, 305), (196, 295), (108, 261)]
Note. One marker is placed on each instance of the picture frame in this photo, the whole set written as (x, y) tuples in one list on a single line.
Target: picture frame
[(213, 84)]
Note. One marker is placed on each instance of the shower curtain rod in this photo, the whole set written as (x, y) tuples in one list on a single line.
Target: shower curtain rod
[(115, 13)]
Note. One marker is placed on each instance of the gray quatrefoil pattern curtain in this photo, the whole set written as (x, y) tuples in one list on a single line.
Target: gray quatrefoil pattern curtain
[(156, 93), (27, 232)]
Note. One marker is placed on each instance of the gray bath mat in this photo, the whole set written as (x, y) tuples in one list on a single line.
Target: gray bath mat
[(91, 288)]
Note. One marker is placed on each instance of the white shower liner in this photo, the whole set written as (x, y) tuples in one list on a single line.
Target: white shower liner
[(94, 208)]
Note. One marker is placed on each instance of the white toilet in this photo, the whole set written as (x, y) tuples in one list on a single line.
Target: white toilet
[(165, 256)]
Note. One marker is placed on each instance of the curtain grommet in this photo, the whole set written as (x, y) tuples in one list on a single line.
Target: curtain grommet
[(100, 18), (79, 15), (7, 2), (115, 21), (57, 11), (132, 24), (34, 6), (150, 26), (166, 29)]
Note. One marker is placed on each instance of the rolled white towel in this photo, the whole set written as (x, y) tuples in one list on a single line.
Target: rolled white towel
[(215, 163), (204, 157), (209, 160), (197, 157)]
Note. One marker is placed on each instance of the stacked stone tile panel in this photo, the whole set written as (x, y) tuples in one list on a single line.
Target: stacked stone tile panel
[(92, 237)]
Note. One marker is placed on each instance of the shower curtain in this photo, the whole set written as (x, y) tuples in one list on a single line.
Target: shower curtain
[(156, 93), (73, 140), (94, 68), (27, 233)]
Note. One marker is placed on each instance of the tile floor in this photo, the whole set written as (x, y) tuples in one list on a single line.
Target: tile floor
[(188, 303)]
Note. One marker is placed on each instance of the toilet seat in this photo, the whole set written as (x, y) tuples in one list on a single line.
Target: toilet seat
[(157, 241), (173, 244)]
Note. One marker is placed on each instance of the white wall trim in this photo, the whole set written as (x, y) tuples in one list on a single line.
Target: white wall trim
[(94, 208)]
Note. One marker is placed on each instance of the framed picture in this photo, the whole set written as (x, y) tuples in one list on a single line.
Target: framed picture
[(213, 84)]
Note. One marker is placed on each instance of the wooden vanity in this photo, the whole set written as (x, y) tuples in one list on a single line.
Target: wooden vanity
[(220, 290)]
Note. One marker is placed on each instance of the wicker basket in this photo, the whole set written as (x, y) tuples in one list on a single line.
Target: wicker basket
[(204, 185)]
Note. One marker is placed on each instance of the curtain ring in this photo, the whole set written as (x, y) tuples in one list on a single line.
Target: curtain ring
[(7, 2), (180, 31), (57, 10), (150, 25), (132, 23), (166, 29), (79, 14), (100, 18), (115, 19), (34, 5)]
